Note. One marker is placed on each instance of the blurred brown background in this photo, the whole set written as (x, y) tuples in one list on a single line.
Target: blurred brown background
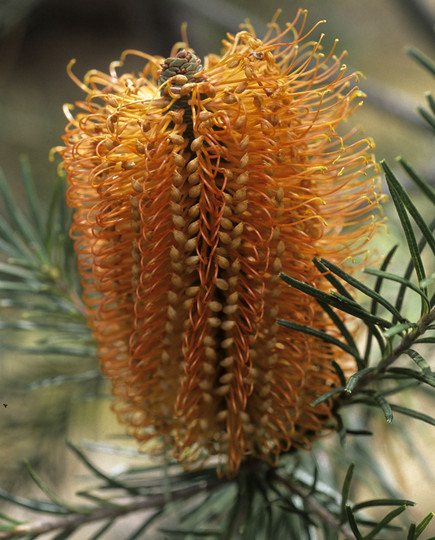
[(37, 40), (39, 37)]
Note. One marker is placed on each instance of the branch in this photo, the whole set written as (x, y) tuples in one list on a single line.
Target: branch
[(319, 509), (74, 521), (405, 343)]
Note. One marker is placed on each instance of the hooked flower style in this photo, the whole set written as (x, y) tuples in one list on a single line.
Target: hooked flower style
[(193, 186)]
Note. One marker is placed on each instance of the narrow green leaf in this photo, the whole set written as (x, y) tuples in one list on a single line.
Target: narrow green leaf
[(430, 100), (102, 530), (110, 481), (382, 502), (51, 494), (344, 332), (339, 372), (422, 525), (9, 519), (185, 533), (384, 522), (32, 198), (371, 331), (19, 223), (401, 193), (398, 329), (363, 288), (327, 395), (17, 286), (332, 279), (61, 351), (427, 116), (400, 388), (413, 414), (91, 375), (406, 225), (423, 377), (352, 523), (13, 243), (425, 187), (380, 276), (411, 532), (37, 506), (357, 432), (427, 282), (409, 269), (345, 490), (65, 533), (383, 404), (317, 333), (353, 379), (353, 308), (137, 534), (398, 279), (424, 60), (425, 340), (17, 271)]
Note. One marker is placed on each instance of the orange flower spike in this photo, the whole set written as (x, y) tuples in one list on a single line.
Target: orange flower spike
[(193, 188)]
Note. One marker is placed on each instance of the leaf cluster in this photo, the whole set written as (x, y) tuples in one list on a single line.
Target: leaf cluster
[(39, 286), (387, 325), (261, 502)]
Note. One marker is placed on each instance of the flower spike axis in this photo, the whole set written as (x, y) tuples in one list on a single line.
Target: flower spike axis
[(193, 187)]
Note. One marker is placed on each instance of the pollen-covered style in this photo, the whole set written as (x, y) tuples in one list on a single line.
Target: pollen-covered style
[(193, 186)]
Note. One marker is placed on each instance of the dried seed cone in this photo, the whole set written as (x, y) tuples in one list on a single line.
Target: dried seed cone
[(193, 188)]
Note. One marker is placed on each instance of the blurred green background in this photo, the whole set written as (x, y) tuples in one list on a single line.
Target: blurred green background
[(37, 40)]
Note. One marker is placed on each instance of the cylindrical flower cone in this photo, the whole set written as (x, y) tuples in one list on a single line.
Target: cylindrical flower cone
[(193, 187)]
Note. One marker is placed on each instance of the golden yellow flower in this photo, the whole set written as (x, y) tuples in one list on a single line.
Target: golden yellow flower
[(193, 186)]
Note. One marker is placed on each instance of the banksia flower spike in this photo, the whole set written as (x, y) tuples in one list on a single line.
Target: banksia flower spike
[(193, 186)]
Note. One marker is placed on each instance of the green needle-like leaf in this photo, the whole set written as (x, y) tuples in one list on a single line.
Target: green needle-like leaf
[(36, 506), (383, 404), (419, 360), (409, 269), (363, 288), (384, 522), (382, 502), (425, 187), (332, 279), (110, 481), (327, 395), (344, 332), (410, 373), (422, 525), (424, 60), (353, 524), (317, 333), (406, 225), (413, 414), (398, 279), (20, 224), (345, 490), (353, 308), (427, 116), (32, 198), (351, 383), (398, 329), (380, 276), (430, 100), (51, 494), (402, 195)]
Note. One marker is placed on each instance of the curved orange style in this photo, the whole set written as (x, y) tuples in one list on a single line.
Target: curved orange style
[(193, 186)]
